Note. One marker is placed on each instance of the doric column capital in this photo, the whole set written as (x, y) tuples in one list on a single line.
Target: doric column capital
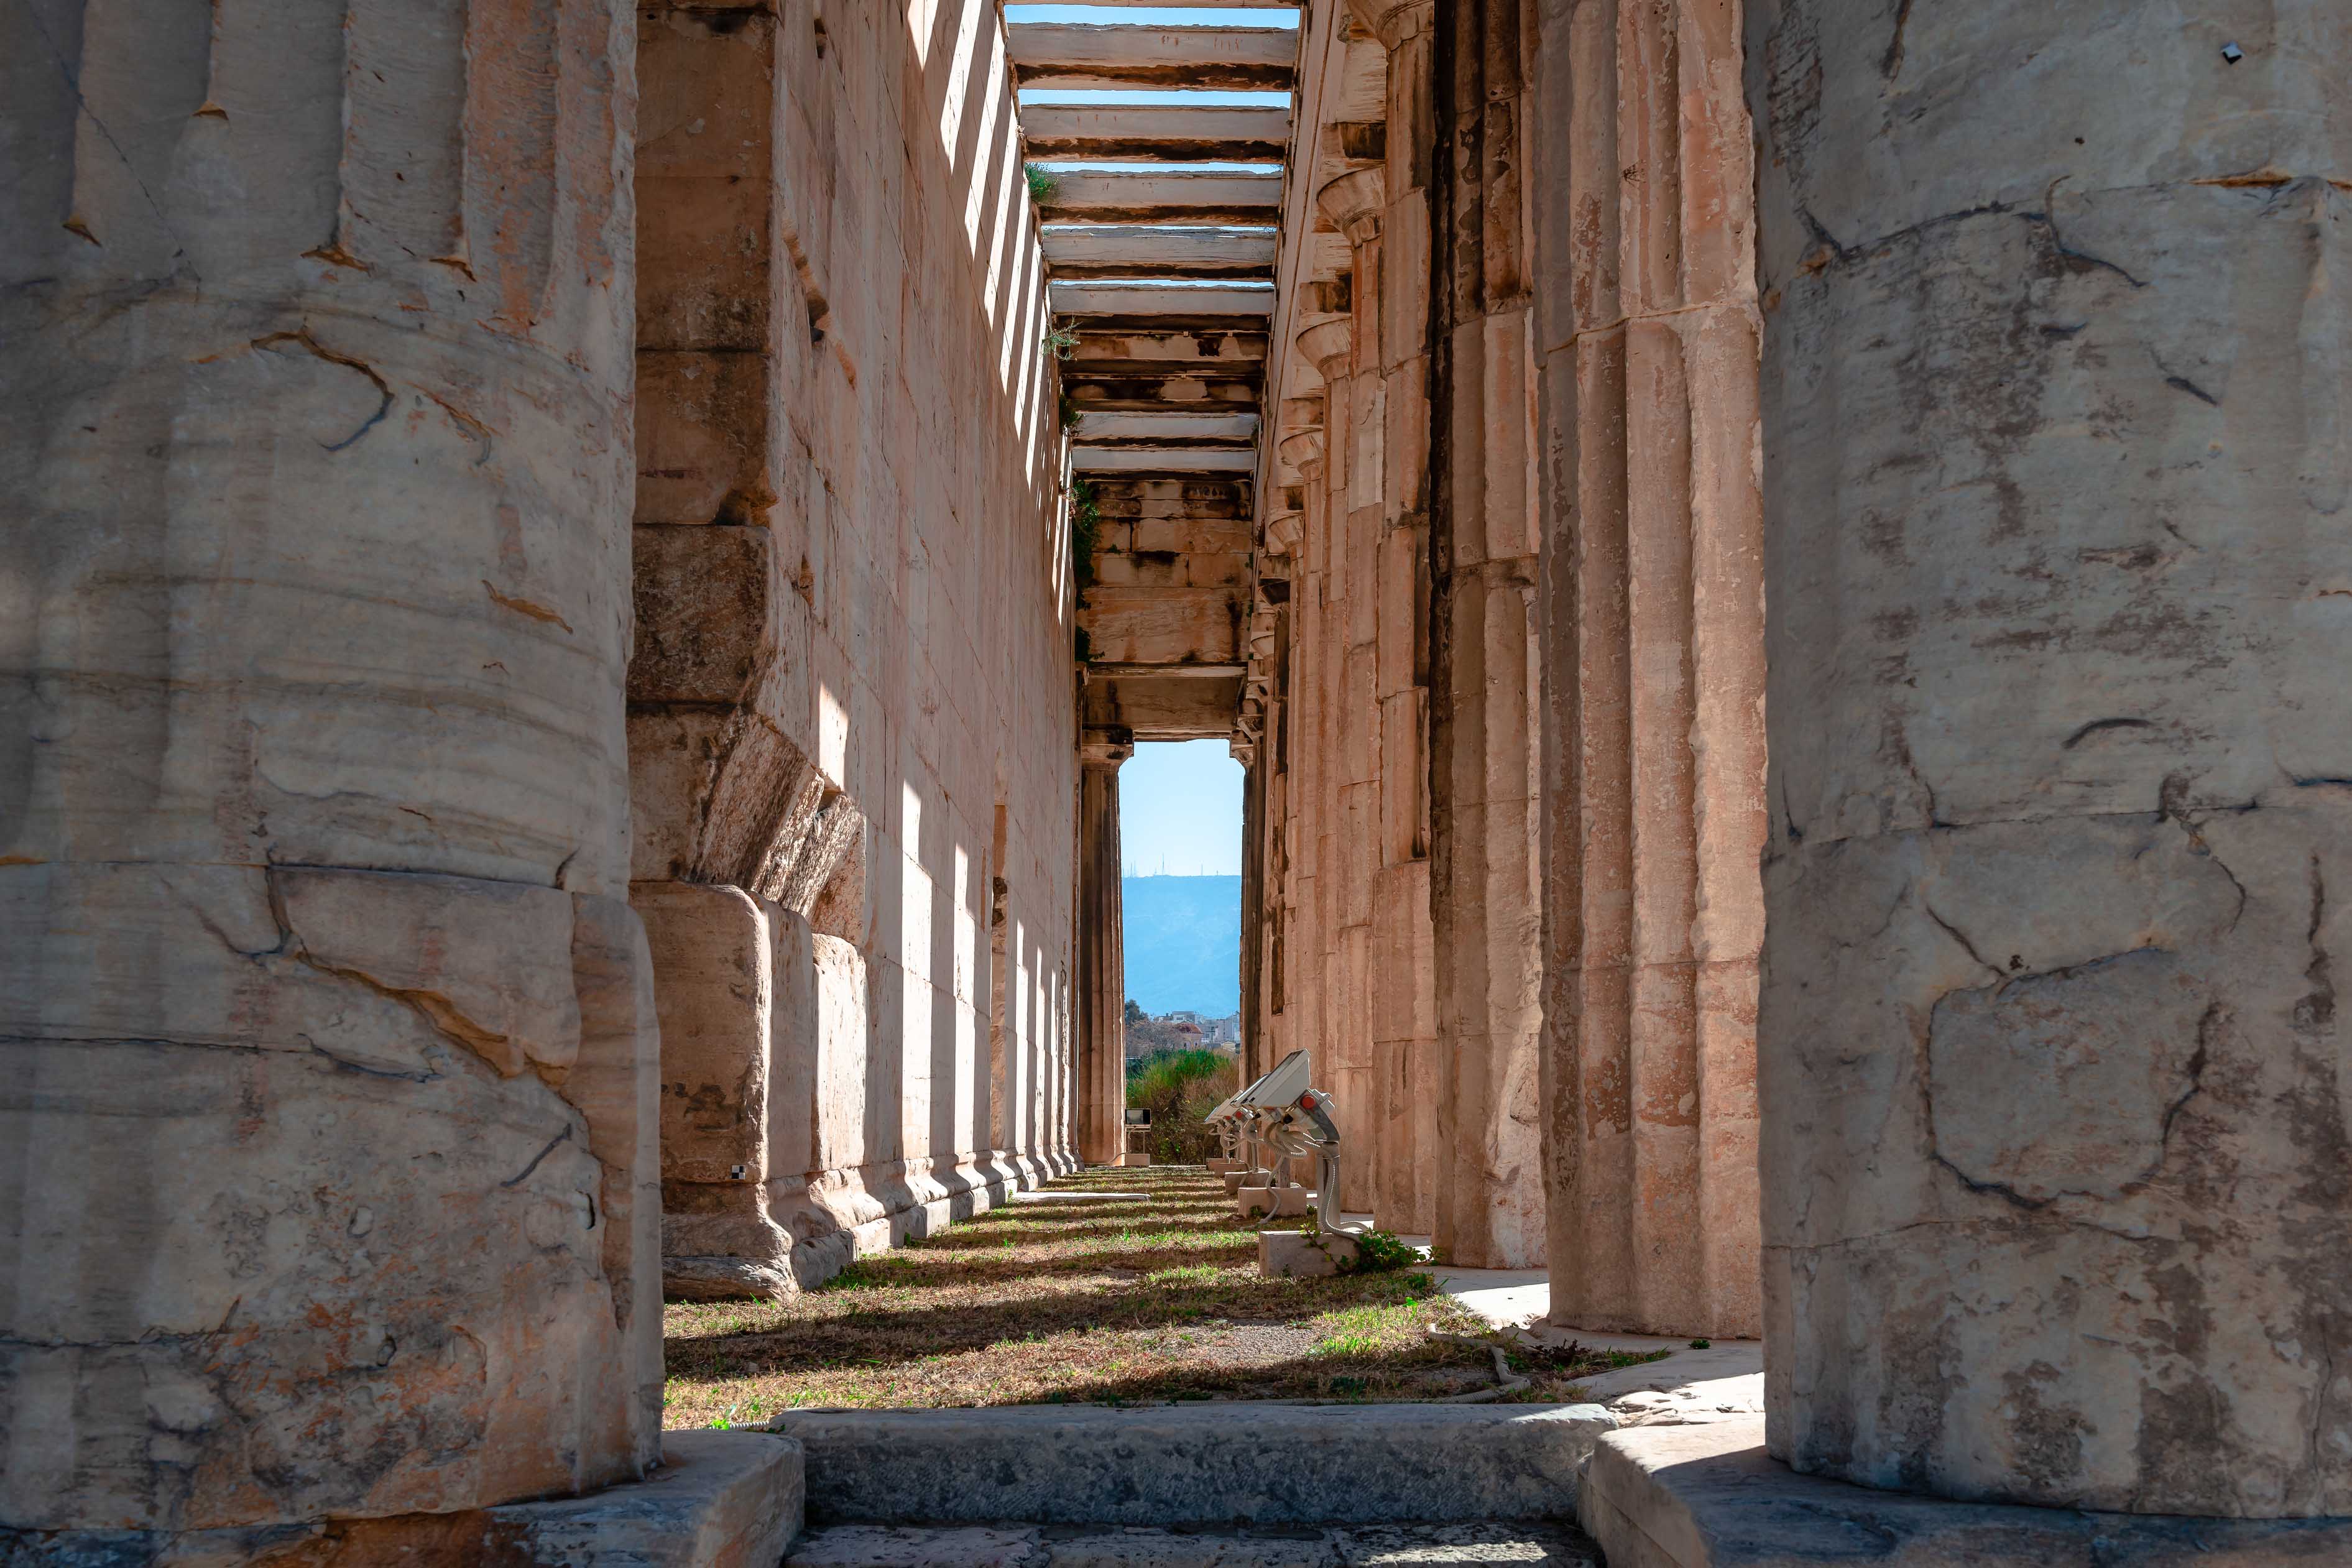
[(1393, 21), (1327, 344), (1106, 749), (1354, 204), (1303, 450)]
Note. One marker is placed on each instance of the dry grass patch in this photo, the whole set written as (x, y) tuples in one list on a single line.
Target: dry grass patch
[(1110, 1301)]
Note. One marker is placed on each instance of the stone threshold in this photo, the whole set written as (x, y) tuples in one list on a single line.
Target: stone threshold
[(1709, 1497), (1215, 1462), (1017, 1545)]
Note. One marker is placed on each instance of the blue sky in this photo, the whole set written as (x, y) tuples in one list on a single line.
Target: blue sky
[(1180, 810)]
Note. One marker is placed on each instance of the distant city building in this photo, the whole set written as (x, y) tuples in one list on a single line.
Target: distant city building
[(1180, 1030)]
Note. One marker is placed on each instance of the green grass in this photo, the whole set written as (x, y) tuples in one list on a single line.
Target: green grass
[(1108, 1302)]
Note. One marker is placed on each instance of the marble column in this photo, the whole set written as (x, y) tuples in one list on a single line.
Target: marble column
[(1393, 538), (2057, 1102), (1653, 666), (327, 1040), (1344, 805), (1102, 954), (1485, 891)]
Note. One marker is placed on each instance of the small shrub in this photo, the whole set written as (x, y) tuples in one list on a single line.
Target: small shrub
[(1042, 182), (1379, 1251), (1065, 408), (1180, 1087), (1701, 1344), (1062, 342)]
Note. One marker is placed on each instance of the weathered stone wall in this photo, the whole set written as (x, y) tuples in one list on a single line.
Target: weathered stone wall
[(325, 1033), (1653, 665), (852, 749), (2054, 1089)]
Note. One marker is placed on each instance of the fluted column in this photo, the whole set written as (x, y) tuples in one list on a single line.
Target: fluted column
[(1304, 954), (1345, 800), (327, 1049), (2056, 1091), (1102, 952), (1486, 893), (1391, 552), (1652, 667)]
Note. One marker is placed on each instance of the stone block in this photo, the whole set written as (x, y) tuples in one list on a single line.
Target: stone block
[(1707, 1496), (703, 613), (1301, 1254), (1288, 1199), (720, 1500), (702, 438), (1197, 1464)]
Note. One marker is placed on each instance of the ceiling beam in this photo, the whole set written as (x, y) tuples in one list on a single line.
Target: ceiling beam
[(1064, 55), (1162, 460), (1111, 671), (1155, 133), (1169, 430), (1154, 195), (1143, 250), (1154, 348), (1245, 308), (1139, 393)]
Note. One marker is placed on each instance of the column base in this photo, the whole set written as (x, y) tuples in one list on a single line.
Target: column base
[(812, 1231), (720, 1500), (1709, 1497)]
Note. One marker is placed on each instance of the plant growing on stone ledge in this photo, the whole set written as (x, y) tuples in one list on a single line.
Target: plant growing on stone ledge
[(1086, 532), (1042, 182), (1062, 342), (1067, 410), (1377, 1251)]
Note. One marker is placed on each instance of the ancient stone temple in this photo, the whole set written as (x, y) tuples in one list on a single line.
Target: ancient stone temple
[(576, 580)]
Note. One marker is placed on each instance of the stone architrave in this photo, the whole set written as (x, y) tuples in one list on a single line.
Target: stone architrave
[(2055, 1090), (1652, 664)]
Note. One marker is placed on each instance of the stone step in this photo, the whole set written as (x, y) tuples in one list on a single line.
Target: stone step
[(1080, 1546), (1215, 1462)]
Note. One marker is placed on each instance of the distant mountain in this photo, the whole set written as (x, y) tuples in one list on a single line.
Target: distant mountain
[(1184, 943)]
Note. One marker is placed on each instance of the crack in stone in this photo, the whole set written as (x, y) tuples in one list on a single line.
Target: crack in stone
[(2196, 1070), (1890, 64), (301, 335), (2000, 976), (440, 1014), (552, 1144), (2100, 726)]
